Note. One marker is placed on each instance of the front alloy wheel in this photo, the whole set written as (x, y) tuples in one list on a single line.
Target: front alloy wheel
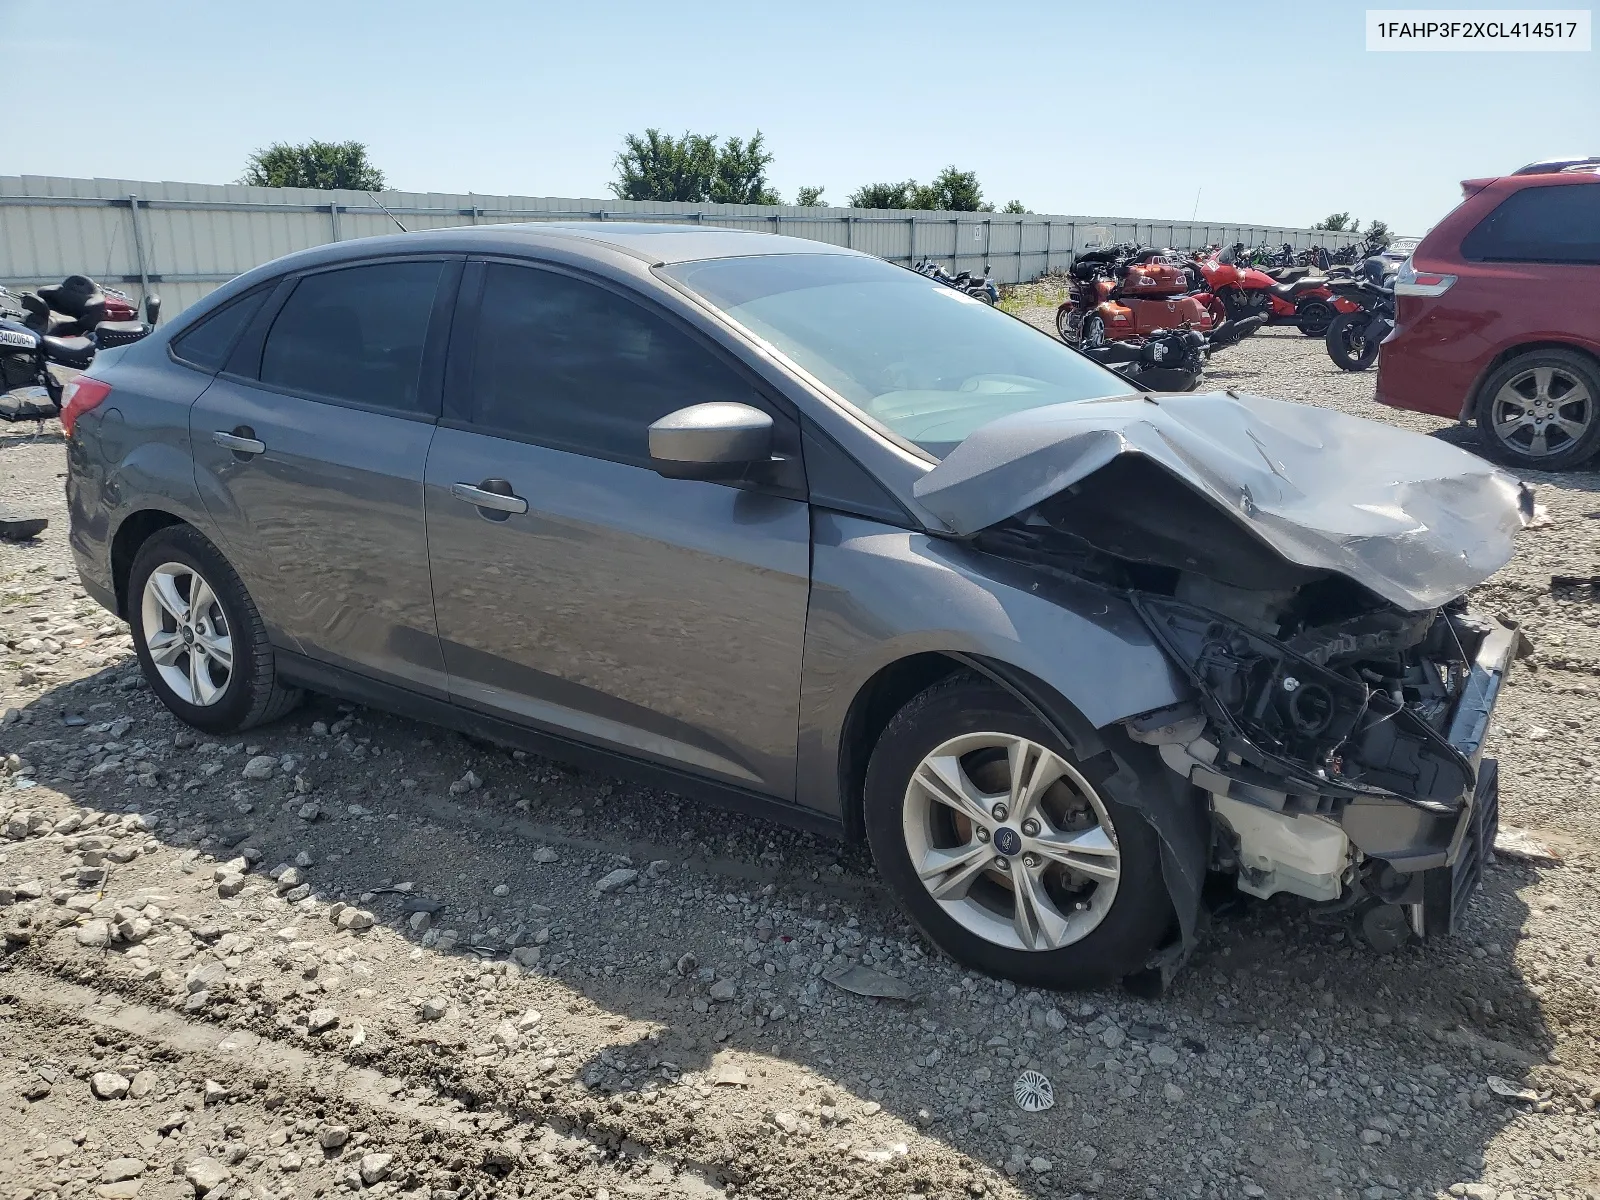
[(1006, 849), (1011, 841), (187, 634)]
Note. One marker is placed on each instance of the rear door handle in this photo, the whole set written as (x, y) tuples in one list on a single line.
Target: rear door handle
[(481, 497), (238, 444)]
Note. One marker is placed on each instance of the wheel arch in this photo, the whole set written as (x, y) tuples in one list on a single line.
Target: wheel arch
[(887, 691), (1475, 394), (134, 531)]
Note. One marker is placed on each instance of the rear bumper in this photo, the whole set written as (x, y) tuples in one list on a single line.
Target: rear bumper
[(1428, 365)]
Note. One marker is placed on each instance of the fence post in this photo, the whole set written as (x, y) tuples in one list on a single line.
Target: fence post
[(849, 233), (911, 226), (333, 220), (1019, 250), (138, 247)]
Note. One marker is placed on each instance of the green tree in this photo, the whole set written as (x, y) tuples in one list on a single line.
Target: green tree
[(1338, 223), (883, 195), (741, 176), (1015, 206), (952, 190), (693, 169), (1378, 234), (658, 166), (323, 165), (809, 197)]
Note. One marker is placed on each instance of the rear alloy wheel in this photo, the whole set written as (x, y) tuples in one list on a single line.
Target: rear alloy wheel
[(1093, 331), (200, 640), (187, 634), (1539, 410), (1003, 850)]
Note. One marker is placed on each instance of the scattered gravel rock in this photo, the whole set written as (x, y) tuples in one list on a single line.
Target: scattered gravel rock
[(260, 767), (107, 1085)]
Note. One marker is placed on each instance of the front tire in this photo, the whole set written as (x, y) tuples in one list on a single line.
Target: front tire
[(1002, 850), (199, 638)]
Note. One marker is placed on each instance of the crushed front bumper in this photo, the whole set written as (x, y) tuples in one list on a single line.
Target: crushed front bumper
[(1411, 860)]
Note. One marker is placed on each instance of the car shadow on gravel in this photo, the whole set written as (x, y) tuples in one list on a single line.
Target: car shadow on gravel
[(1285, 1053)]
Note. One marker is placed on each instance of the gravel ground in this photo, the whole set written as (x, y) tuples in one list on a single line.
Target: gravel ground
[(350, 953)]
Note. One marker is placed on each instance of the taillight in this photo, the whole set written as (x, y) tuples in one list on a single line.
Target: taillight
[(83, 394), (1412, 282)]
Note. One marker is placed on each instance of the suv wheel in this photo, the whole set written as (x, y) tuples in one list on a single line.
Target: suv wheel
[(1542, 410), (1002, 850), (200, 641)]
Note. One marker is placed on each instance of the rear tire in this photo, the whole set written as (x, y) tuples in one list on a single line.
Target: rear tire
[(1314, 318), (1348, 346), (212, 665), (1005, 909), (1542, 410)]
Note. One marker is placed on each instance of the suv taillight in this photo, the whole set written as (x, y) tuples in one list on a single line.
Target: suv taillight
[(1412, 282), (82, 395)]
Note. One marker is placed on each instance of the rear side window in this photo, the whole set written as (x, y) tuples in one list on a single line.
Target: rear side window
[(1556, 224), (355, 334), (571, 365), (208, 343)]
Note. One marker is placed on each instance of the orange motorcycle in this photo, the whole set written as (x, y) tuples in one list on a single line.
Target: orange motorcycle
[(1128, 292)]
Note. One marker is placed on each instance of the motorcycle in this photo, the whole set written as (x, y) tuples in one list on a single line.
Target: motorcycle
[(1289, 296), (36, 335), (1120, 293), (1168, 361), (1353, 338), (978, 287)]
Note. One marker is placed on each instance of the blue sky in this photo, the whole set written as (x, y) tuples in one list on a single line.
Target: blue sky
[(1272, 112)]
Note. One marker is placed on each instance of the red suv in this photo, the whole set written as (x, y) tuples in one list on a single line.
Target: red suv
[(1498, 316)]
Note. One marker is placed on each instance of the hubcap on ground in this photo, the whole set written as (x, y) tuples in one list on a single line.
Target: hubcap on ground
[(1011, 841), (1542, 411), (187, 634)]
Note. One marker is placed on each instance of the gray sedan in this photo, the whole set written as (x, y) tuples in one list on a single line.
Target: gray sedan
[(809, 535)]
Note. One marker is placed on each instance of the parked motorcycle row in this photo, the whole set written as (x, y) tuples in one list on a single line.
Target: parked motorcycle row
[(1156, 315), (62, 325), (979, 287)]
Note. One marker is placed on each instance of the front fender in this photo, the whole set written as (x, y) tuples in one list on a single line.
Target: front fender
[(881, 594)]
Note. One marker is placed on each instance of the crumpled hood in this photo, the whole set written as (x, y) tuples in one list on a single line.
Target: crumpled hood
[(1412, 518)]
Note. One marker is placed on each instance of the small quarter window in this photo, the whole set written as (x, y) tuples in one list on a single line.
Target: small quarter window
[(208, 344)]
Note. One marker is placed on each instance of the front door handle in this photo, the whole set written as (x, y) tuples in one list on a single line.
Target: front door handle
[(239, 443), (493, 494)]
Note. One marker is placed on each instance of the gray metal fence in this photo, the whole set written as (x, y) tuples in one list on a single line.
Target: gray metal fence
[(183, 239)]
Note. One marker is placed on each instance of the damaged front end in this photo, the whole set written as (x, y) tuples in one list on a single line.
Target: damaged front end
[(1342, 762), (1305, 572)]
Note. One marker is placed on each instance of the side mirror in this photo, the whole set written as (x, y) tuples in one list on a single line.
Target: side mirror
[(152, 309), (710, 441)]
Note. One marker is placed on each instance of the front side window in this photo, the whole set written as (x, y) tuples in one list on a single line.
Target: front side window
[(571, 365), (355, 334), (1559, 223), (920, 359)]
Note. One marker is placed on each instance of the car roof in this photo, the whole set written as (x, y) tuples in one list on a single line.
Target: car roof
[(671, 242), (647, 242)]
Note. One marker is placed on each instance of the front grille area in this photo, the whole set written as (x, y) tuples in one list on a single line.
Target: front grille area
[(1446, 891)]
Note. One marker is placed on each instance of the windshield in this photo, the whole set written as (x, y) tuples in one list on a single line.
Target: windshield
[(925, 361)]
